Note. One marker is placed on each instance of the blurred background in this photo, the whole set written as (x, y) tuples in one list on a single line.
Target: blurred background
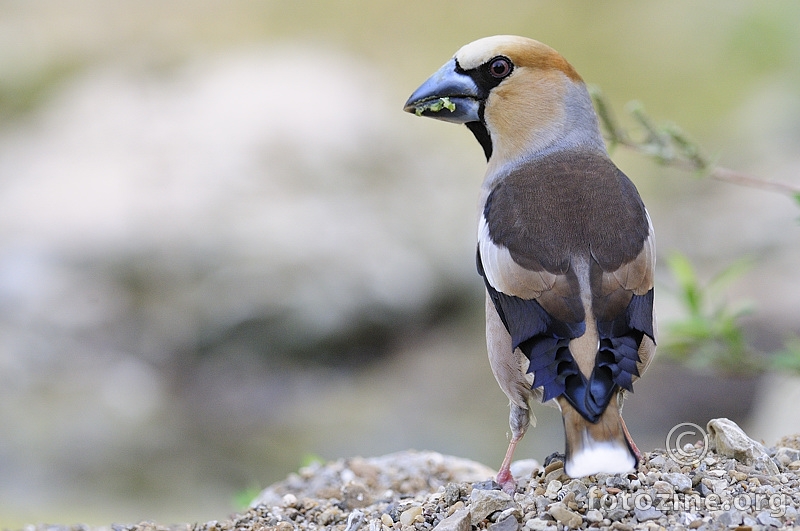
[(225, 250)]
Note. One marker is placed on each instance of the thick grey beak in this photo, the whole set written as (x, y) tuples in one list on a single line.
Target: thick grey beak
[(447, 95)]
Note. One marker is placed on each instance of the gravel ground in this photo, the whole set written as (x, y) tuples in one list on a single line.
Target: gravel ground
[(728, 481)]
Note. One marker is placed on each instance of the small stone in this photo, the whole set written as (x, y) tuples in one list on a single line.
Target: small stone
[(737, 476), (489, 484), (784, 456), (556, 475), (764, 518), (538, 524), (643, 515), (594, 516), (355, 495), (680, 482), (290, 500), (407, 517), (618, 482), (749, 521), (663, 487), (717, 486), (354, 521), (455, 507), (703, 489), (578, 487), (657, 462), (616, 514), (485, 502), (729, 440), (541, 504), (730, 518), (329, 515), (563, 515), (458, 521), (619, 526), (552, 489), (553, 465), (387, 520), (509, 523), (452, 493)]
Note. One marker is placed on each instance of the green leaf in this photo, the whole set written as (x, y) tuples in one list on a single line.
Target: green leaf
[(435, 106), (723, 280), (788, 359)]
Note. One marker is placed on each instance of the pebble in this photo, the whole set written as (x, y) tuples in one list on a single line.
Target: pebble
[(552, 489), (663, 487), (408, 516), (785, 456), (650, 513), (594, 516), (509, 523), (730, 518), (538, 524), (458, 521), (764, 518), (619, 526), (618, 482), (485, 502), (564, 515), (737, 476), (290, 500), (425, 491), (355, 495), (680, 482), (617, 513)]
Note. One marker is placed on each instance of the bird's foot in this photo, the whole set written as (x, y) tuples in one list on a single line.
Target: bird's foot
[(506, 481)]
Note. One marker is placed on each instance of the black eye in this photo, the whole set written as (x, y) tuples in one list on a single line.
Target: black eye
[(500, 67)]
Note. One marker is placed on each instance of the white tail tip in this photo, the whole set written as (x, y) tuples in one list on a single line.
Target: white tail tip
[(600, 457)]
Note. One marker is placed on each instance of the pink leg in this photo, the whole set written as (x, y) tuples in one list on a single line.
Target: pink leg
[(504, 477), (632, 444)]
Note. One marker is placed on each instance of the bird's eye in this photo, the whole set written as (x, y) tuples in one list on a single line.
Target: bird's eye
[(500, 67)]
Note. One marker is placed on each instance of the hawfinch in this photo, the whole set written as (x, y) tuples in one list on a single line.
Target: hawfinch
[(565, 246)]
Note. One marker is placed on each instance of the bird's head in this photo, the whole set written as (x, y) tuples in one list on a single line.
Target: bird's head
[(517, 95)]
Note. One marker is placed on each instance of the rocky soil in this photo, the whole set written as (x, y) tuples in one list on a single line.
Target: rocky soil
[(723, 480)]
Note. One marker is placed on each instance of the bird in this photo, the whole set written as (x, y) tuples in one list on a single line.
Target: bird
[(565, 247)]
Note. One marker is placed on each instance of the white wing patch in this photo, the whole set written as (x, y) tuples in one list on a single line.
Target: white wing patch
[(504, 274)]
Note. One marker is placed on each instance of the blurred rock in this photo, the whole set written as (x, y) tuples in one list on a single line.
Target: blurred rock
[(728, 439), (186, 252)]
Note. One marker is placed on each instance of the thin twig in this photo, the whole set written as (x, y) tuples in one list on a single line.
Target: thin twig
[(670, 146), (742, 179)]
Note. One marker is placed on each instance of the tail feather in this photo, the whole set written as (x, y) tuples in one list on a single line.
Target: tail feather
[(592, 448)]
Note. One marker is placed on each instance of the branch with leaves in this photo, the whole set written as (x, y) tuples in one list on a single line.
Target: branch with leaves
[(669, 145)]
